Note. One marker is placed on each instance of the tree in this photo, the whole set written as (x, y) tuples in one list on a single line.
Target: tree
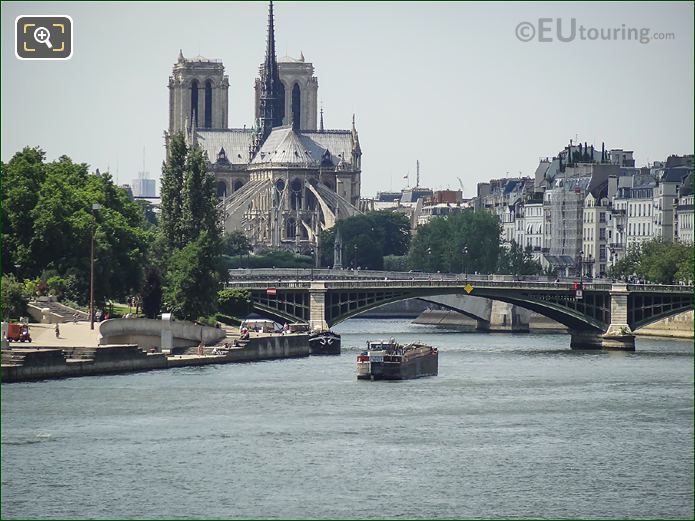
[(49, 222), (172, 183), (366, 238), (199, 200), (21, 180), (235, 244), (192, 279), (518, 261), (466, 241), (152, 292), (13, 298), (656, 261), (234, 302)]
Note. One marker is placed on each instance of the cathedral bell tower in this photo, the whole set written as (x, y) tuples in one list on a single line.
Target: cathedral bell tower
[(198, 94)]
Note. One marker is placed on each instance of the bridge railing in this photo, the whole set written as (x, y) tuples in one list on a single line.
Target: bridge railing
[(415, 284), (660, 288), (352, 274)]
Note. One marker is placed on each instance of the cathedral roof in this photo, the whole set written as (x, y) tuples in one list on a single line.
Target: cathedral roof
[(285, 146), (235, 141), (304, 148)]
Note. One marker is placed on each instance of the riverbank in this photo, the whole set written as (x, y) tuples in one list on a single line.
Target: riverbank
[(22, 363)]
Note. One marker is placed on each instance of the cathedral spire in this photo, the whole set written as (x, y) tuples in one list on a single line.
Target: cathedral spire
[(321, 124), (270, 113)]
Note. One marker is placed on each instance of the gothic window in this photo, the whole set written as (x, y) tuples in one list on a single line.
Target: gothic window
[(194, 101), (237, 185), (208, 104), (296, 193), (296, 106), (221, 189), (291, 228)]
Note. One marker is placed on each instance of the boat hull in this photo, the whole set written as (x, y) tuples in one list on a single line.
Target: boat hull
[(324, 343), (416, 367)]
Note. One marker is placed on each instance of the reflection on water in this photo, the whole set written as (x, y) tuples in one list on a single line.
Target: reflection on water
[(513, 426)]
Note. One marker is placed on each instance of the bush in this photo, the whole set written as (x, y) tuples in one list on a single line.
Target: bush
[(234, 302), (227, 320), (207, 321)]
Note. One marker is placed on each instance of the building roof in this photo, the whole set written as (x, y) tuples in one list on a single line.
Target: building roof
[(287, 146), (235, 141), (675, 174)]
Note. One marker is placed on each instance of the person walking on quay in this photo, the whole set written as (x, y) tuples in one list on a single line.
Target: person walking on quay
[(57, 330)]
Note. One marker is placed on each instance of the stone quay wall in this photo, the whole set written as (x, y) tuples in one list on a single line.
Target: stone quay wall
[(22, 365)]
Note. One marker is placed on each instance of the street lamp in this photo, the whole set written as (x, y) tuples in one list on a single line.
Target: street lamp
[(312, 251), (95, 206), (465, 264), (581, 269)]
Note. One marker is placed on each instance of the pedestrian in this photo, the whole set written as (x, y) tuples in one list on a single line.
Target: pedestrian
[(201, 348), (57, 330), (74, 318)]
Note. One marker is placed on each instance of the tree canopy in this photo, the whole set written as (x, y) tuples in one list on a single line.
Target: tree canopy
[(656, 261), (467, 241), (366, 239), (48, 224)]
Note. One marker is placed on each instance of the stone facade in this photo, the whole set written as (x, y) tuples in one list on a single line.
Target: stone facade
[(281, 180)]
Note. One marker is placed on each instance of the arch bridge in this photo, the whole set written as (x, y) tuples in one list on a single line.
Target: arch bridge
[(602, 315)]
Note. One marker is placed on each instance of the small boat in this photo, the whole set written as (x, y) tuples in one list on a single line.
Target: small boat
[(393, 361), (324, 343)]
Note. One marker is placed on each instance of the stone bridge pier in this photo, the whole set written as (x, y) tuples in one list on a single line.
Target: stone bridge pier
[(618, 335)]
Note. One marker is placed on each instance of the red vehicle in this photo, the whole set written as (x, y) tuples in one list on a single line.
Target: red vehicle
[(18, 333)]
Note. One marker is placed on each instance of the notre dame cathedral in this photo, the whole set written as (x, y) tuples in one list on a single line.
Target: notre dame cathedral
[(284, 180)]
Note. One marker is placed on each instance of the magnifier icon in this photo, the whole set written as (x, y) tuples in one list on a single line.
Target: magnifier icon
[(43, 35)]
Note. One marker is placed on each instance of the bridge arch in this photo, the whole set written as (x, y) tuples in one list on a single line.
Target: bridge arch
[(593, 314)]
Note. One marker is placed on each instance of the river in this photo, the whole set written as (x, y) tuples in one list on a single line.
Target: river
[(514, 426)]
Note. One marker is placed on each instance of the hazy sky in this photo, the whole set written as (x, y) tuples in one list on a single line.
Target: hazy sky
[(450, 84)]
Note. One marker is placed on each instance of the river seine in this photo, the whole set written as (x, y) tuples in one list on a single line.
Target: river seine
[(514, 426)]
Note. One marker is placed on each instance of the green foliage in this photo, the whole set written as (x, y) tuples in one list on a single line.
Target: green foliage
[(466, 241), (49, 222), (396, 263), (656, 261), (13, 298), (172, 183), (192, 279), (234, 302), (235, 244), (188, 200), (152, 292), (227, 320), (518, 261), (268, 259), (366, 238)]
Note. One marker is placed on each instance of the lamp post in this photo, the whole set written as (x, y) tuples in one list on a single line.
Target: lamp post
[(95, 206), (465, 263), (581, 269), (313, 252)]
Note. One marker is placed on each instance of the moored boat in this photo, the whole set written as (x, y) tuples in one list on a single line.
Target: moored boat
[(324, 343), (393, 361)]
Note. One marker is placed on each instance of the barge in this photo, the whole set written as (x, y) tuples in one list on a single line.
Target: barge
[(393, 361)]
